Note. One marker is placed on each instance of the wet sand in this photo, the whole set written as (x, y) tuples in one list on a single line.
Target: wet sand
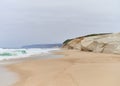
[(74, 69), (7, 78)]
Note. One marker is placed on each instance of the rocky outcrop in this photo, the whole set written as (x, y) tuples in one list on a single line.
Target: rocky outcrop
[(100, 43)]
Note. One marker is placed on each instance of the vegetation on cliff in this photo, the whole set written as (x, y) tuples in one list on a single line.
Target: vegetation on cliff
[(68, 40)]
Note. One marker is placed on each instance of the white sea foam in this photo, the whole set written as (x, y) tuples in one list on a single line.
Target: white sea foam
[(6, 54)]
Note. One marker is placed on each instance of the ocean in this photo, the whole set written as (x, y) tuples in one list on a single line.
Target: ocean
[(10, 56), (27, 51)]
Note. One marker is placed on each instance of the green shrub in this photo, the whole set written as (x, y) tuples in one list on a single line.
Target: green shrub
[(66, 41), (96, 34)]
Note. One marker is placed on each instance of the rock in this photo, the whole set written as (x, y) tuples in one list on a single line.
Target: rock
[(105, 43), (113, 47), (74, 44)]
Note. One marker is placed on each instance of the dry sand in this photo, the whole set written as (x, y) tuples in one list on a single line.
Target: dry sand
[(75, 69)]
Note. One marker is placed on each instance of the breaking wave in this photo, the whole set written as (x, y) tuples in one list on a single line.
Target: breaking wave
[(6, 54)]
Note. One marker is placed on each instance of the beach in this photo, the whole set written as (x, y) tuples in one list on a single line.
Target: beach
[(75, 68), (7, 78)]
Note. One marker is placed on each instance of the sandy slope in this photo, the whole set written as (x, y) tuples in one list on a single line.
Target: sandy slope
[(75, 69)]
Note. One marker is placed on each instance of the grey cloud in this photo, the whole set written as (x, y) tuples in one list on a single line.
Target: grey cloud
[(25, 22)]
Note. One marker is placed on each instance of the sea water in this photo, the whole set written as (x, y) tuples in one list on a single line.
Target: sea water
[(6, 54), (8, 78)]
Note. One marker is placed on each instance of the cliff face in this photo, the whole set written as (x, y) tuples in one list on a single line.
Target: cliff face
[(101, 43)]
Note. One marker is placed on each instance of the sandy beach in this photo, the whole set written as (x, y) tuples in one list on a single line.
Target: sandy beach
[(7, 78), (74, 69)]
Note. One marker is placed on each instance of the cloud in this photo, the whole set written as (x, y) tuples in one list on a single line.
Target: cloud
[(50, 21)]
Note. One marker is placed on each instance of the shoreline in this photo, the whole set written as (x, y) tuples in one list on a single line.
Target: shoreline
[(74, 69), (13, 77), (8, 77)]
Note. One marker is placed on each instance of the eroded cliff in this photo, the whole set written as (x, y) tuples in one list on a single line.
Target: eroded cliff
[(101, 43)]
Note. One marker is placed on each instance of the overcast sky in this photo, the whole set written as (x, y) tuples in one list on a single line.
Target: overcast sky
[(24, 22)]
